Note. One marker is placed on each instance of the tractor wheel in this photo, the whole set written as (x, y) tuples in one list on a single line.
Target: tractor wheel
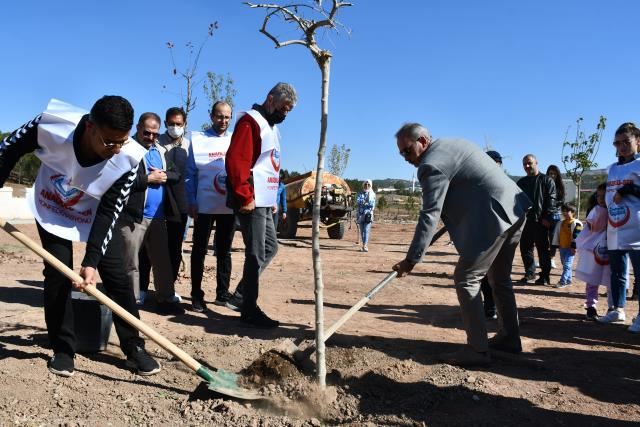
[(336, 231)]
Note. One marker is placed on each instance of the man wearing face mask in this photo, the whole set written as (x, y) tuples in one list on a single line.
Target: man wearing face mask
[(253, 163), (206, 194), (177, 142)]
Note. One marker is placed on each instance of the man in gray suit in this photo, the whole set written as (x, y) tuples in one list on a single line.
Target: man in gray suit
[(484, 211)]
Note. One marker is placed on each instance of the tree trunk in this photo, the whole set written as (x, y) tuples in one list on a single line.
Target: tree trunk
[(325, 64), (579, 197)]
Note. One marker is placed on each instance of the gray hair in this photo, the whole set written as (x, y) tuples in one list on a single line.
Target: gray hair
[(284, 92), (412, 131)]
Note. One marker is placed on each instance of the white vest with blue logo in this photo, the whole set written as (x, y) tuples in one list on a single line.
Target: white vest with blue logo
[(66, 194), (266, 170), (209, 152), (623, 230)]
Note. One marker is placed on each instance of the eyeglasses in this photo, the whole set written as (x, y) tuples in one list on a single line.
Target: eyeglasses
[(150, 134), (112, 144), (624, 141)]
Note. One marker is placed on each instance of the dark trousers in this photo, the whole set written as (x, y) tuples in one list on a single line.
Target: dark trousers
[(261, 245), (535, 234), (58, 312), (487, 296), (222, 242)]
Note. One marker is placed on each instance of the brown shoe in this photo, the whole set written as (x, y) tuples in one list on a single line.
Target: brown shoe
[(466, 357)]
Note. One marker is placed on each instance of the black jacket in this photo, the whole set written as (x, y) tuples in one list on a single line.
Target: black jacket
[(178, 156), (544, 197), (134, 209)]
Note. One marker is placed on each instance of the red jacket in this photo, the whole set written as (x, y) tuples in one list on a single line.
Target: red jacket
[(242, 154)]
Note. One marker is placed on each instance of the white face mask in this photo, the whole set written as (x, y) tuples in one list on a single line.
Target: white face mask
[(175, 132)]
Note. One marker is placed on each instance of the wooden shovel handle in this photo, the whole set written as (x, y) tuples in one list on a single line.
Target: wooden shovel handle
[(91, 290)]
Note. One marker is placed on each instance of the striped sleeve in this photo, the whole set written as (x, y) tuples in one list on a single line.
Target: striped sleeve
[(104, 224), (18, 143)]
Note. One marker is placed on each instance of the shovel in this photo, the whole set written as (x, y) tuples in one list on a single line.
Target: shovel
[(221, 381), (302, 355)]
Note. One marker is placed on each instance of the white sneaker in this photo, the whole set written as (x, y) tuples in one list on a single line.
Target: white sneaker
[(176, 298), (614, 316), (366, 248), (635, 326), (553, 263)]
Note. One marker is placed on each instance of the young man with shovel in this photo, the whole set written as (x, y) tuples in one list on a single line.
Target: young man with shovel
[(88, 167)]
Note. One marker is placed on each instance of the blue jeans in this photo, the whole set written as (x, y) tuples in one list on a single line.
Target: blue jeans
[(566, 257), (365, 231), (618, 264)]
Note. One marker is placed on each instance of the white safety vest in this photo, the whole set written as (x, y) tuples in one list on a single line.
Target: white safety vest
[(266, 170), (623, 230), (66, 195), (209, 153)]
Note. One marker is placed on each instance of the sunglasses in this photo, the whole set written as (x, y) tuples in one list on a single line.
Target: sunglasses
[(112, 144), (150, 134)]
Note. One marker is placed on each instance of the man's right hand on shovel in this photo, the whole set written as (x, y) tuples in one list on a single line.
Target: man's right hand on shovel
[(90, 277), (403, 268)]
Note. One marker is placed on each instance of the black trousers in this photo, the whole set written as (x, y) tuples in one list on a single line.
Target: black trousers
[(58, 312), (222, 242), (535, 234)]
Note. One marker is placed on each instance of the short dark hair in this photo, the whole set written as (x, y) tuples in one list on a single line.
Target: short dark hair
[(629, 128), (149, 115), (175, 111), (113, 112), (569, 207), (215, 104)]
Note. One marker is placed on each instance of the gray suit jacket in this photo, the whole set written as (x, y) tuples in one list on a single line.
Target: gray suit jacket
[(476, 200)]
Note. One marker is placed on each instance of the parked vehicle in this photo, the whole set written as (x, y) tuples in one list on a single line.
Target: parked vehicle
[(336, 203)]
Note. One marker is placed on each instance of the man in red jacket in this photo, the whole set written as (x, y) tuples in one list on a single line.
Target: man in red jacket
[(253, 164)]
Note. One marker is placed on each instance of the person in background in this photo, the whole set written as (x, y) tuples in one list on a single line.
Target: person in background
[(151, 205), (623, 233), (253, 163), (593, 259), (564, 237), (366, 202), (92, 150), (541, 190), (280, 213), (553, 172), (206, 192)]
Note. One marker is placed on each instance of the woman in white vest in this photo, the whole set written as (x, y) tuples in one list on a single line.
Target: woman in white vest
[(623, 232), (88, 167), (253, 163), (206, 188)]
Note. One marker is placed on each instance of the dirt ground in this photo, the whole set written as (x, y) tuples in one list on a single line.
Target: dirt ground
[(383, 364)]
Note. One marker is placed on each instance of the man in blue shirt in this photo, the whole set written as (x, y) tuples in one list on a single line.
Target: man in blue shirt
[(150, 205)]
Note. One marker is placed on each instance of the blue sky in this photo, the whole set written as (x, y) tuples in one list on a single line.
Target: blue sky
[(513, 74)]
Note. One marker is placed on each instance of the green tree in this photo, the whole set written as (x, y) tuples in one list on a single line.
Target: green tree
[(338, 159), (26, 169), (382, 204), (218, 88), (579, 153), (354, 184)]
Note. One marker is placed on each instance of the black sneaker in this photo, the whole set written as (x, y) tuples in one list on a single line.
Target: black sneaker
[(592, 313), (502, 343), (198, 305), (543, 281), (140, 361), (490, 314), (169, 308), (223, 298), (61, 364), (235, 302), (259, 320), (528, 278)]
